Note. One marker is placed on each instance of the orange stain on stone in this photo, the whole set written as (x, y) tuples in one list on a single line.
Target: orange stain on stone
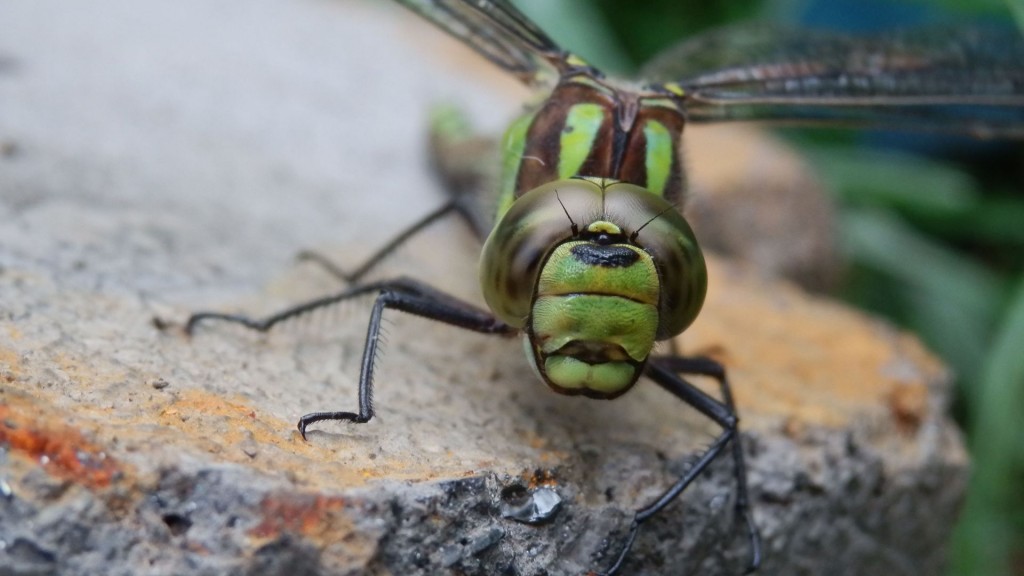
[(806, 357), (909, 405), (228, 421), (311, 515), (61, 450)]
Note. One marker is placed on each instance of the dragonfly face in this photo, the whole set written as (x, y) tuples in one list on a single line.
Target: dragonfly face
[(593, 271)]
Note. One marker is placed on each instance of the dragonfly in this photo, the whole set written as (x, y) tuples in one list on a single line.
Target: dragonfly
[(587, 256)]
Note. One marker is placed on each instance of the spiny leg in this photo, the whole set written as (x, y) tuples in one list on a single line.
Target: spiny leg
[(265, 324), (703, 366), (412, 297), (404, 294), (663, 371)]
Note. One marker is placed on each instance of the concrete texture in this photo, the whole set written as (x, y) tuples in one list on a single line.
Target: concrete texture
[(157, 158)]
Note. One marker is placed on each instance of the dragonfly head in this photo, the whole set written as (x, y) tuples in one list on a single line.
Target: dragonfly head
[(593, 272)]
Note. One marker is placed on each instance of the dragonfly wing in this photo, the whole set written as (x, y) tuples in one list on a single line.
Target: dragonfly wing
[(967, 80), (498, 31)]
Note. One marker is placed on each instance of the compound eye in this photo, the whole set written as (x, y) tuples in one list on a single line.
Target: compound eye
[(520, 242)]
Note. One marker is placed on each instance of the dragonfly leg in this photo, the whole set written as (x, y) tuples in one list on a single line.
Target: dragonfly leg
[(412, 297), (382, 253), (265, 324), (405, 294), (664, 371)]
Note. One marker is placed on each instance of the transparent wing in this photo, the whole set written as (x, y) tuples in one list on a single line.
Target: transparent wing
[(968, 80), (498, 31)]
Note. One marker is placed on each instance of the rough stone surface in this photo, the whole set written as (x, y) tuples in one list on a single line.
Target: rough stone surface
[(162, 157)]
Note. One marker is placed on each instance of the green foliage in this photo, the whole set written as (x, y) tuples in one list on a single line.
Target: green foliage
[(1017, 9), (990, 528)]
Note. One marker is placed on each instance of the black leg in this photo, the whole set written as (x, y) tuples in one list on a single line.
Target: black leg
[(265, 324), (405, 294), (663, 370), (452, 205)]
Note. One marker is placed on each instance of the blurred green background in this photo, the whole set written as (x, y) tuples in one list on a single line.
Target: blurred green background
[(933, 228)]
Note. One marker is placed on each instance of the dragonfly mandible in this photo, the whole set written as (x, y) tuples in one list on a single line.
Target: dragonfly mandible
[(587, 255)]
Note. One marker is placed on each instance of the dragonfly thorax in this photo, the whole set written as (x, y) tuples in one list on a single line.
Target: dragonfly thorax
[(594, 127), (593, 272)]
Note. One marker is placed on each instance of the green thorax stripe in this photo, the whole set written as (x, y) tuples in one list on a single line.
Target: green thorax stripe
[(575, 122), (651, 157), (513, 147), (660, 152), (582, 124), (588, 129)]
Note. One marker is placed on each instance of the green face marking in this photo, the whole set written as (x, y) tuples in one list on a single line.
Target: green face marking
[(592, 343), (595, 317), (596, 326), (604, 379), (581, 127), (618, 270)]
